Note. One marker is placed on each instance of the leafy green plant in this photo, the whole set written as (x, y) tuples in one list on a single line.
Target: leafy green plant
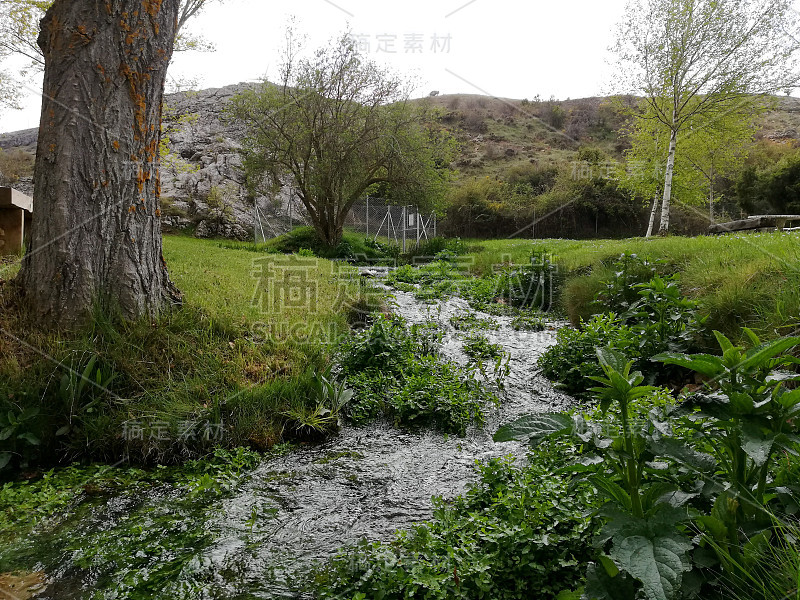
[(618, 294), (479, 348), (519, 532), (16, 433), (396, 372), (574, 357), (535, 285), (660, 320), (663, 318), (744, 417), (81, 390), (643, 546)]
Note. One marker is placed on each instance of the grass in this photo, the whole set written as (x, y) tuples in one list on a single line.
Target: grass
[(229, 368), (741, 280)]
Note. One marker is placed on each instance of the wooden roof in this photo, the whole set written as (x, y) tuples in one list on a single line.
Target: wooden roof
[(10, 197)]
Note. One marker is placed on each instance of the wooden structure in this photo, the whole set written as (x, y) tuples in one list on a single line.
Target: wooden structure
[(16, 211), (755, 223)]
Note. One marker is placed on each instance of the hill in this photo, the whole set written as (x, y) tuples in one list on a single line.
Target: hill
[(203, 184)]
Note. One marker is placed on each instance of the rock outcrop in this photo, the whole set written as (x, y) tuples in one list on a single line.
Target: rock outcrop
[(202, 180)]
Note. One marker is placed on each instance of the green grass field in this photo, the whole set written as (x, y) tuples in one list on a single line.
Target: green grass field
[(741, 280)]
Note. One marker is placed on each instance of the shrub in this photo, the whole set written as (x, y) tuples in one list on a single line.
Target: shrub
[(15, 164), (660, 320), (573, 359), (532, 286)]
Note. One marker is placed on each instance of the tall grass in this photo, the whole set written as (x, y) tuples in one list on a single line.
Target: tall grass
[(743, 279), (228, 359)]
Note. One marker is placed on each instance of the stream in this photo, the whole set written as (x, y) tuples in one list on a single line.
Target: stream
[(366, 482)]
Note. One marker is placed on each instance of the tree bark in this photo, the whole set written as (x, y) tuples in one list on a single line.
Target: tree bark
[(665, 203), (96, 234), (653, 212)]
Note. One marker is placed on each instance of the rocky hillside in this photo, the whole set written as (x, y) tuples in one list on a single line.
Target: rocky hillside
[(203, 184)]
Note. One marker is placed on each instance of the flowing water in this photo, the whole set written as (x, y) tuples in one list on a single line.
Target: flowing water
[(366, 482)]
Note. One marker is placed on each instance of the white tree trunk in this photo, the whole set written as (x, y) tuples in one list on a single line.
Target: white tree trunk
[(653, 212), (665, 204)]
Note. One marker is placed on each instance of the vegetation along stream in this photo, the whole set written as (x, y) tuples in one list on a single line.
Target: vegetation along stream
[(228, 531)]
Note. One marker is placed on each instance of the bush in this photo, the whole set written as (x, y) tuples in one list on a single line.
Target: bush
[(429, 249), (15, 164), (660, 320), (574, 357), (532, 286)]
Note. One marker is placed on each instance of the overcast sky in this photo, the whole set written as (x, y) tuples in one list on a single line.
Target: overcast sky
[(514, 49)]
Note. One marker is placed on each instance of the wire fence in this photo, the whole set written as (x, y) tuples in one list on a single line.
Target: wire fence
[(404, 226)]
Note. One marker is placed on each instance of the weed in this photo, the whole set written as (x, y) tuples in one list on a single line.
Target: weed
[(471, 321)]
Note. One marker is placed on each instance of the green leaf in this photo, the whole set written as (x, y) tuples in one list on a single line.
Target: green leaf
[(754, 339), (600, 586), (534, 428), (658, 562), (724, 343), (683, 454), (713, 527), (705, 364), (756, 444), (614, 360), (5, 458), (30, 438), (612, 490), (759, 356)]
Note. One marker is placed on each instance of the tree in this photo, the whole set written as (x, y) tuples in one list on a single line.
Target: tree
[(775, 187), (695, 60), (710, 150), (19, 30), (96, 235), (719, 149), (337, 126)]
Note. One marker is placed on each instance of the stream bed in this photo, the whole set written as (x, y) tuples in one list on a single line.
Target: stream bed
[(293, 510)]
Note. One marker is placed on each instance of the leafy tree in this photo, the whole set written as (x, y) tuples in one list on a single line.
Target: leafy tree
[(19, 30), (719, 149), (338, 126), (776, 187), (709, 151), (96, 235), (696, 60)]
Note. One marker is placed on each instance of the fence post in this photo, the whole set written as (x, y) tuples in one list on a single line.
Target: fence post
[(404, 216), (367, 216), (416, 208)]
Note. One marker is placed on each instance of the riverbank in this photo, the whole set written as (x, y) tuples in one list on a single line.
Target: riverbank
[(230, 368), (746, 279), (256, 527)]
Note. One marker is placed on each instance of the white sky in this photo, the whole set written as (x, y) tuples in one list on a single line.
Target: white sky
[(514, 49)]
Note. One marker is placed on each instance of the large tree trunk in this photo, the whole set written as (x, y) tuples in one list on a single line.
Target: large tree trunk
[(665, 203), (96, 235)]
